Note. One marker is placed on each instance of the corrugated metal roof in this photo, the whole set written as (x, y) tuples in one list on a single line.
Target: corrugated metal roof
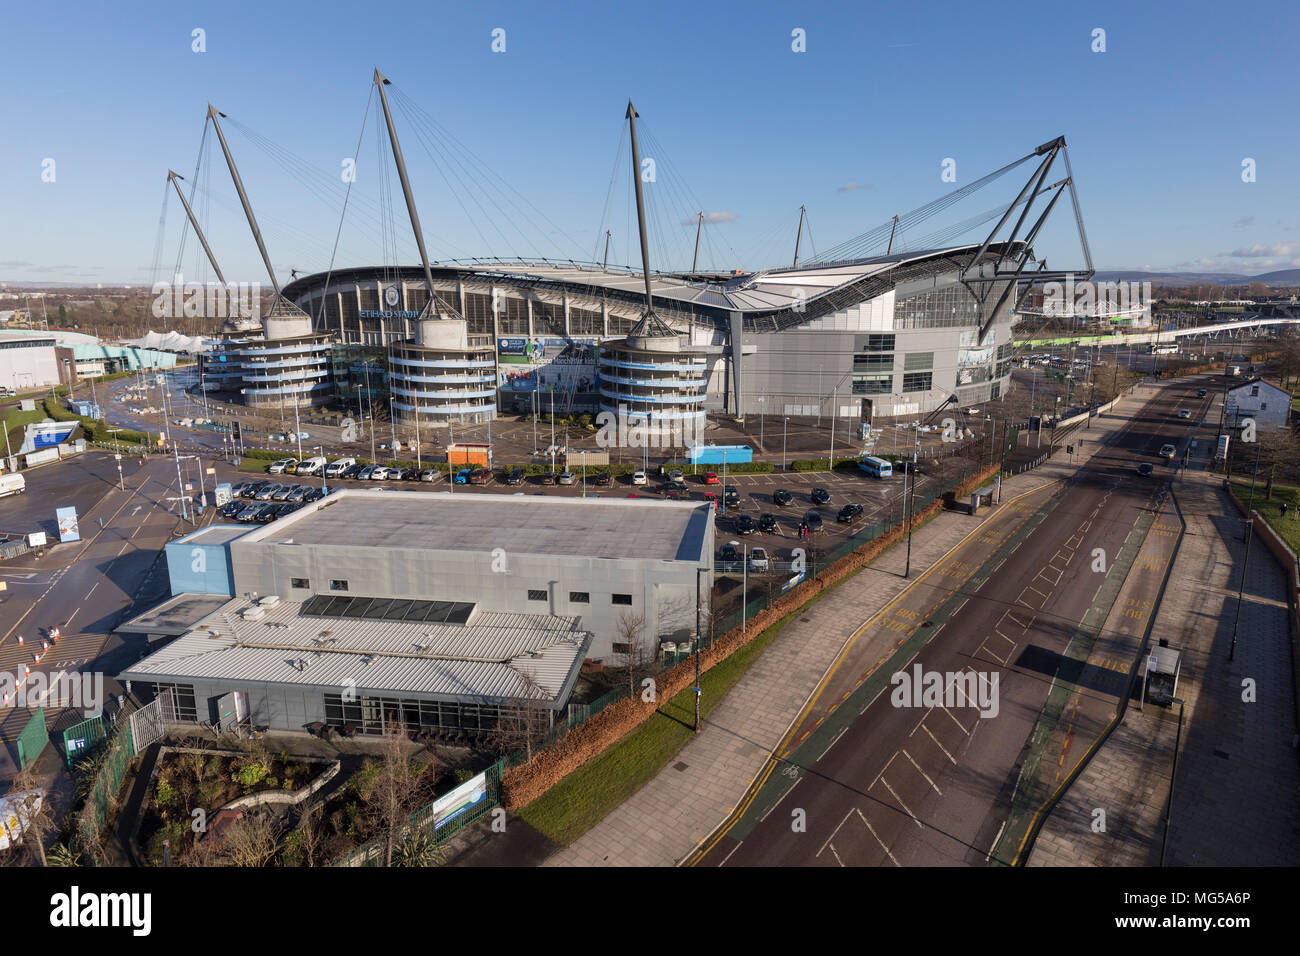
[(486, 658)]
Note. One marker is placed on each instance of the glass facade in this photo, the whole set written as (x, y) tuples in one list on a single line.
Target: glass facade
[(947, 308)]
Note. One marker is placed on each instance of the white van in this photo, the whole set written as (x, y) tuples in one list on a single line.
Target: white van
[(12, 485), (338, 466), (311, 466)]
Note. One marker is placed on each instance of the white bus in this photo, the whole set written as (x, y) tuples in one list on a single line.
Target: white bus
[(876, 467)]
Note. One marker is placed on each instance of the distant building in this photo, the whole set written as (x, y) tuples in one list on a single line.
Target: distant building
[(1266, 402)]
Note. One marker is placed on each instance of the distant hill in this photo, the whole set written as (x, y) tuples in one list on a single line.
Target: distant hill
[(1283, 277)]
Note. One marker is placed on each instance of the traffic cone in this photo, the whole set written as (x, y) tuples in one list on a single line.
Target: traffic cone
[(20, 640)]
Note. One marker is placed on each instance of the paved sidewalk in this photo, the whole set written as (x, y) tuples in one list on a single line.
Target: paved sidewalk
[(1237, 798), (667, 818)]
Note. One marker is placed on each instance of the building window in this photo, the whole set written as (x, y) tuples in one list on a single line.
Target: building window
[(186, 710), (338, 585), (876, 362), (875, 343), (622, 599), (918, 361), (622, 648), (873, 384), (917, 381), (1254, 391), (299, 583), (536, 595), (579, 597)]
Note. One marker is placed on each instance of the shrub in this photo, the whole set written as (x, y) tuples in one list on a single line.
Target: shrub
[(164, 792), (251, 774)]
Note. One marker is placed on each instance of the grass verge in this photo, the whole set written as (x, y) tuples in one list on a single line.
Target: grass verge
[(587, 795), (1271, 511)]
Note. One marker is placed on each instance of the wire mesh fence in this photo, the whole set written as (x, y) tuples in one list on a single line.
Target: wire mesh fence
[(102, 794)]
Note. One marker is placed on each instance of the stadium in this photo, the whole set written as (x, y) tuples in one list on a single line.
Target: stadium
[(879, 337)]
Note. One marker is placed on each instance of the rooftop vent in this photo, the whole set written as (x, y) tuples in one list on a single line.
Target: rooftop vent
[(271, 600), (253, 613)]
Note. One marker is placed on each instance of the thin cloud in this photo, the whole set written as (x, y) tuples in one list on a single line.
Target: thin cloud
[(711, 217), (1243, 222), (1265, 251), (853, 187)]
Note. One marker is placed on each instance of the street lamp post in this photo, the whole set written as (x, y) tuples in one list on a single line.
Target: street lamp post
[(785, 428), (320, 450)]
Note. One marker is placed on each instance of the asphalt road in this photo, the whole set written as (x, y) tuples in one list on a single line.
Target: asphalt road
[(880, 780), (85, 588)]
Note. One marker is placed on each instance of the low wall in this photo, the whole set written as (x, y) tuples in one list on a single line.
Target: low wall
[(523, 784)]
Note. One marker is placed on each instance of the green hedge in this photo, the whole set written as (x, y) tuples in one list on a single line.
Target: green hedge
[(824, 464)]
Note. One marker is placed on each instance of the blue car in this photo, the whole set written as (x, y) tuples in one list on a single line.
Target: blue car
[(462, 476)]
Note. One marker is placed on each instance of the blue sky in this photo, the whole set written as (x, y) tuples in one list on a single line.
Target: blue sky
[(1158, 126)]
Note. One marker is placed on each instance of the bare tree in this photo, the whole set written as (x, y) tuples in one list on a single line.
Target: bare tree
[(631, 644), (310, 836), (399, 788), (252, 840), (34, 813), (526, 721)]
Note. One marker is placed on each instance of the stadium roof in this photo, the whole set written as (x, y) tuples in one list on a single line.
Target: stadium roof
[(755, 293)]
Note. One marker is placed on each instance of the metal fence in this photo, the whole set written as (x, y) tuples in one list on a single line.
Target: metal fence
[(116, 755), (372, 853), (83, 737), (33, 738)]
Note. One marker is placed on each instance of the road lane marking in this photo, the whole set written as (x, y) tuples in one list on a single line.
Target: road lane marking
[(940, 746), (923, 773), (902, 804)]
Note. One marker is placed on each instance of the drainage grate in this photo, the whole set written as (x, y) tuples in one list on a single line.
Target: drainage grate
[(679, 766)]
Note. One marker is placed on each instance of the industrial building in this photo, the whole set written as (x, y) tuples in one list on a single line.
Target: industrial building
[(450, 609), (1267, 403)]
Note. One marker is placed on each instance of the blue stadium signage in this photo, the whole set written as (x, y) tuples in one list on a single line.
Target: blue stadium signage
[(389, 314)]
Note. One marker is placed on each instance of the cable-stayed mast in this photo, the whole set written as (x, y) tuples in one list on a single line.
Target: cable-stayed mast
[(174, 178)]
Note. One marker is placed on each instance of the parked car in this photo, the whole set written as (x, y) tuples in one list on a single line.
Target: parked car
[(730, 551), (710, 477), (481, 476), (288, 507), (462, 476), (676, 477), (639, 477), (265, 493), (232, 508), (250, 513), (299, 493), (712, 499), (731, 498), (567, 477), (316, 494), (1184, 413), (849, 513), (278, 467), (268, 513), (604, 479), (820, 496), (1168, 451), (515, 476), (283, 493), (431, 475), (379, 473), (814, 521), (675, 492), (335, 468), (253, 488), (237, 489), (1145, 469), (352, 471), (365, 472), (396, 474), (1200, 393), (746, 525), (291, 467), (312, 466), (767, 523), (758, 560), (548, 478), (781, 497)]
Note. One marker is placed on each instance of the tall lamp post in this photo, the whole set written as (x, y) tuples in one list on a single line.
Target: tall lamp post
[(916, 450), (784, 430)]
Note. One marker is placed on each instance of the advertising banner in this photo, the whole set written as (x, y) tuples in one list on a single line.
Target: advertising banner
[(67, 519), (460, 800)]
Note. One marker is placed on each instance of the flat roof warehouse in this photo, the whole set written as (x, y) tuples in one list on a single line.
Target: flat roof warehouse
[(524, 524)]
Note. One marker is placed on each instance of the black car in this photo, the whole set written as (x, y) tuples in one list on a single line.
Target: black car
[(253, 489), (287, 508), (729, 552), (515, 476), (767, 523), (268, 513), (232, 508), (1145, 469), (746, 525), (814, 521), (546, 479), (731, 497), (351, 471), (849, 514), (316, 494), (604, 478), (781, 497), (820, 496)]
